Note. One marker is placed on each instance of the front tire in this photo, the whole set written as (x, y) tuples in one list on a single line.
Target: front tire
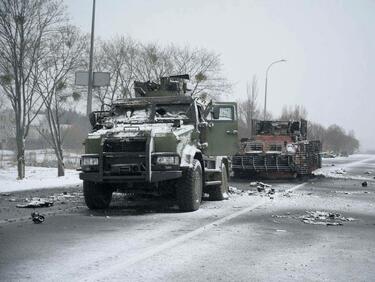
[(190, 188), (97, 195), (219, 192)]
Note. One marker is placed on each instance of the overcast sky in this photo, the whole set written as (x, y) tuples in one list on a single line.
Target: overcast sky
[(329, 47)]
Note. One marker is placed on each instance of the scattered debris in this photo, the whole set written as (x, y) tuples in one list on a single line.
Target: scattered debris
[(65, 195), (364, 184), (332, 164), (5, 194), (324, 218), (12, 200), (36, 203), (234, 190), (340, 171), (287, 194), (260, 184), (37, 218), (368, 172)]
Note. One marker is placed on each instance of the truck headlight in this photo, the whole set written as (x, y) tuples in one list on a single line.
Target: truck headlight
[(89, 161), (168, 160)]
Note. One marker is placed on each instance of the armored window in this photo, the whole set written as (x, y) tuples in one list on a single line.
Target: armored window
[(173, 111), (222, 113)]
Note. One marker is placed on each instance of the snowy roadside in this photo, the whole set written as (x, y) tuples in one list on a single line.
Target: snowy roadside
[(344, 168), (36, 178)]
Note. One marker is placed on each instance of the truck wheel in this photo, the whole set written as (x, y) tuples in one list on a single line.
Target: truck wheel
[(97, 196), (190, 187), (218, 193)]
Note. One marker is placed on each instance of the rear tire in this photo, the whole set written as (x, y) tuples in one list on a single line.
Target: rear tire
[(97, 195), (218, 193), (190, 188)]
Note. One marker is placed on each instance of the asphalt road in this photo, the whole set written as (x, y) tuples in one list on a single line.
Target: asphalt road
[(250, 237)]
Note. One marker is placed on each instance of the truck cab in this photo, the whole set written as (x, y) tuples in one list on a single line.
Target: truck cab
[(162, 142)]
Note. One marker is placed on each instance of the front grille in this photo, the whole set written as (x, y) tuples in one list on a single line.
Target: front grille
[(124, 145), (124, 165), (262, 162), (253, 146)]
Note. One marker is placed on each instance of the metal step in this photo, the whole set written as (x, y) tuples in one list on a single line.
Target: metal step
[(211, 183)]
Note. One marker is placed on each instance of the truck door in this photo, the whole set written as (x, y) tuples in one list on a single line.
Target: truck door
[(222, 133)]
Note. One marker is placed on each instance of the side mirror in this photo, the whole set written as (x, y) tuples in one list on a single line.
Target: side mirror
[(216, 113)]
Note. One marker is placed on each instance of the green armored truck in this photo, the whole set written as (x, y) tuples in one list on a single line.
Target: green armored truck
[(162, 142)]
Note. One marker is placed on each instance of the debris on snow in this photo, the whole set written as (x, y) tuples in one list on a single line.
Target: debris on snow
[(234, 190), (364, 184), (37, 218), (340, 171), (260, 184), (36, 203), (324, 218), (368, 172)]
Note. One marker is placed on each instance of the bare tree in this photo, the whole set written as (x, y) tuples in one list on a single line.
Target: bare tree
[(24, 25), (118, 57), (248, 109), (204, 68), (55, 76), (295, 112), (128, 60)]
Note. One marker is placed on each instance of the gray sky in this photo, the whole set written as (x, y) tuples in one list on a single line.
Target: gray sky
[(329, 45)]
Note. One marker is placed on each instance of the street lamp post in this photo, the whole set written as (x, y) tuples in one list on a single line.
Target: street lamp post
[(265, 87), (90, 82)]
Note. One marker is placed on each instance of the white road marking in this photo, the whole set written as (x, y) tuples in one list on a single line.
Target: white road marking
[(123, 264), (354, 164), (297, 187)]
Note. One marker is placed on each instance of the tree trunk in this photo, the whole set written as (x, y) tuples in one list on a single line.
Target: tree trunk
[(20, 156), (60, 168)]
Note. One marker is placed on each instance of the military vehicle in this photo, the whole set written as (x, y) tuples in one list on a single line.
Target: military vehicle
[(162, 142), (277, 149)]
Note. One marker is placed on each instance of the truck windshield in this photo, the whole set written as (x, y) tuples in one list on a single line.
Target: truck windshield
[(132, 114), (173, 111)]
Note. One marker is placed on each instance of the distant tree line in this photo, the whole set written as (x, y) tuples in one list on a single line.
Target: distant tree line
[(334, 138), (40, 51)]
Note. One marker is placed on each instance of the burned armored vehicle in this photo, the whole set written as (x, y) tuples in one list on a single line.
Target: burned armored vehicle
[(277, 149), (162, 142)]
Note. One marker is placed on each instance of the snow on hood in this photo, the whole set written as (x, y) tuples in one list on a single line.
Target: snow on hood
[(132, 130)]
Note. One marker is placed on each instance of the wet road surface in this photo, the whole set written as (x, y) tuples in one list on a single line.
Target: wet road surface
[(256, 237)]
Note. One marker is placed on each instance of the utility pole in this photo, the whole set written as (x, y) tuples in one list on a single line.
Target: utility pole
[(266, 85), (90, 82)]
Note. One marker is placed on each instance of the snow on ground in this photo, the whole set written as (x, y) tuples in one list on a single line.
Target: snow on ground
[(342, 167), (36, 178)]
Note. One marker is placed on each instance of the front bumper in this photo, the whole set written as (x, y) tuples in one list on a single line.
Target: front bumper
[(156, 176)]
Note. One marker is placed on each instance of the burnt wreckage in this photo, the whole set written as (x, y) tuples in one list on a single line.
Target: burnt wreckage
[(277, 149), (163, 142)]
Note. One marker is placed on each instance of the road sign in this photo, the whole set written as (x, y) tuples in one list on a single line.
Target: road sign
[(99, 78)]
